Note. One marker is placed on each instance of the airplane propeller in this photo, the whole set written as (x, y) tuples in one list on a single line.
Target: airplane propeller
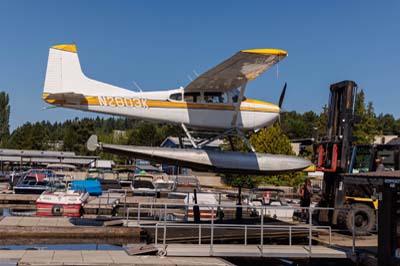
[(282, 97)]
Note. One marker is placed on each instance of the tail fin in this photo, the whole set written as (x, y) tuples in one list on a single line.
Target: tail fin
[(64, 75), (64, 71)]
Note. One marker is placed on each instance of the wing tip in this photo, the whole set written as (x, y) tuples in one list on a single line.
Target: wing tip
[(266, 51), (66, 47)]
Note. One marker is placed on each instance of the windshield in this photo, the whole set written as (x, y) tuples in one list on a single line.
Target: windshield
[(164, 185), (143, 184), (235, 95)]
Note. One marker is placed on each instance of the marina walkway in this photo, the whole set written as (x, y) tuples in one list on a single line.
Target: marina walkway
[(35, 221), (98, 257), (268, 251)]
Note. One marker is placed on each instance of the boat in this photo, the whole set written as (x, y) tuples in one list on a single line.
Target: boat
[(149, 185), (92, 186), (184, 184), (99, 175), (37, 183), (142, 185), (125, 177), (163, 185), (17, 177), (204, 200), (61, 203), (270, 198)]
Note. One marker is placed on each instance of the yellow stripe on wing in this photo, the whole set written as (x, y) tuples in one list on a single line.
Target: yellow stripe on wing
[(266, 51)]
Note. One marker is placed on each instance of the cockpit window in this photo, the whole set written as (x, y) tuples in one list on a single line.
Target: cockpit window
[(215, 97), (235, 95), (176, 97), (192, 97)]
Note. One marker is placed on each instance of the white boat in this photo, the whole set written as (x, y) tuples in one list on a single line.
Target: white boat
[(270, 198), (149, 185), (61, 203), (205, 201)]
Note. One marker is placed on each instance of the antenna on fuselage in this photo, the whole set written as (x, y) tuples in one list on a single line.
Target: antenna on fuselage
[(137, 86), (277, 67), (277, 70)]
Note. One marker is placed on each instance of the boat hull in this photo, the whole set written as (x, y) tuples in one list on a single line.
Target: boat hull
[(29, 190), (67, 203), (51, 209)]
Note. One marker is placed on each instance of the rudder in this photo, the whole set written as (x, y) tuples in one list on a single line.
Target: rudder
[(64, 73), (64, 76)]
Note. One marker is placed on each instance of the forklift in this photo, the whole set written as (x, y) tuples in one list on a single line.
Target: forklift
[(337, 157)]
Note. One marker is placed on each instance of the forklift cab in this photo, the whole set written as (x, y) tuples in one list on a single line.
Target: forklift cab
[(364, 156)]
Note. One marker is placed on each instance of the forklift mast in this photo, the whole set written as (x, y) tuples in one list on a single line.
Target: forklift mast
[(334, 150)]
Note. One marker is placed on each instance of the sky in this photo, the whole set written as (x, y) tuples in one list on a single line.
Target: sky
[(159, 44)]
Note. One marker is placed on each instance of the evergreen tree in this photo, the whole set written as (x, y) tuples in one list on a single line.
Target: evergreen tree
[(21, 138), (366, 129), (387, 125), (322, 121), (299, 126), (39, 137), (4, 118)]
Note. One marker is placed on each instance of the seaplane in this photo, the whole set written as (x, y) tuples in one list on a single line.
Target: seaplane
[(214, 101)]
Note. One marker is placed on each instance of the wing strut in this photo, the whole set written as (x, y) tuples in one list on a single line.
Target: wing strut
[(239, 102), (240, 134), (189, 136), (207, 141)]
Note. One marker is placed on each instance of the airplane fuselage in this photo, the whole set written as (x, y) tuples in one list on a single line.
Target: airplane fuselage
[(168, 106)]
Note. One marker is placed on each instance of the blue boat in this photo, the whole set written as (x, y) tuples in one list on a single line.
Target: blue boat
[(37, 183), (92, 186)]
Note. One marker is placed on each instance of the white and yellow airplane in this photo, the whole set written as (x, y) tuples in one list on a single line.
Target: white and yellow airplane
[(214, 100)]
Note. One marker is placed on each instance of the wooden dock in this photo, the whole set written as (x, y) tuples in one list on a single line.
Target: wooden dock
[(98, 257), (16, 229), (6, 199)]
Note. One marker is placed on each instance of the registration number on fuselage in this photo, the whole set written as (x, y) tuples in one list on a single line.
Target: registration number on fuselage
[(123, 102)]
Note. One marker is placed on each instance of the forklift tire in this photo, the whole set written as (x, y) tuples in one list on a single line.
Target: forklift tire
[(365, 219)]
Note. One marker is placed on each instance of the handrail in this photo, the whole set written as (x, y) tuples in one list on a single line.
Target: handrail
[(228, 226), (164, 207), (236, 205)]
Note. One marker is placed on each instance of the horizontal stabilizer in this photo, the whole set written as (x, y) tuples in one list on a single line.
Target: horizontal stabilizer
[(92, 143), (64, 98)]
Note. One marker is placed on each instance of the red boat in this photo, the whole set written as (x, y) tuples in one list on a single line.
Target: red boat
[(60, 203)]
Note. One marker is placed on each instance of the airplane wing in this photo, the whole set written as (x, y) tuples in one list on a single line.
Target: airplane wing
[(244, 66)]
